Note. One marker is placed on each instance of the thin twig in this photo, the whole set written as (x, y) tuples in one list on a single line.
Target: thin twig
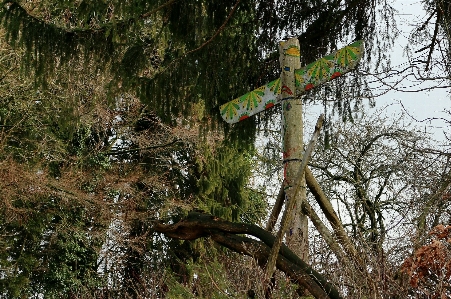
[(208, 41), (434, 39), (141, 148), (147, 14), (217, 31)]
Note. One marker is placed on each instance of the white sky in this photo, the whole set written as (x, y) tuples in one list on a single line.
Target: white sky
[(425, 109), (425, 106), (422, 105)]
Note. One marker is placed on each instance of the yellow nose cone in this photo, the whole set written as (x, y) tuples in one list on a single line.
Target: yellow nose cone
[(293, 51)]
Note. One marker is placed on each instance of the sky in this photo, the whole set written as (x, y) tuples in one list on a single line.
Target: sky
[(424, 107)]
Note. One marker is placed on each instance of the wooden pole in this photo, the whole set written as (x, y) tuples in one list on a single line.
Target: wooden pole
[(290, 207), (293, 145)]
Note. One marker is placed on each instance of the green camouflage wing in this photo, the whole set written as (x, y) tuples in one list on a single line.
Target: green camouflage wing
[(328, 67), (251, 103), (307, 77)]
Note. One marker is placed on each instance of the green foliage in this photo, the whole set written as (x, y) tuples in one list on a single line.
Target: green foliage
[(180, 51), (52, 250), (223, 176), (207, 276), (149, 50)]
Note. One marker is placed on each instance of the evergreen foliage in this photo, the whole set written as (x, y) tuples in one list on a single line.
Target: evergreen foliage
[(175, 53)]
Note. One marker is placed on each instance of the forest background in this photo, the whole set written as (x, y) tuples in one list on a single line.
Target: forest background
[(120, 180)]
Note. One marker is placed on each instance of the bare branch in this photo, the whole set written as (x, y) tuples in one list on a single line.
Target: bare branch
[(198, 225), (112, 153)]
